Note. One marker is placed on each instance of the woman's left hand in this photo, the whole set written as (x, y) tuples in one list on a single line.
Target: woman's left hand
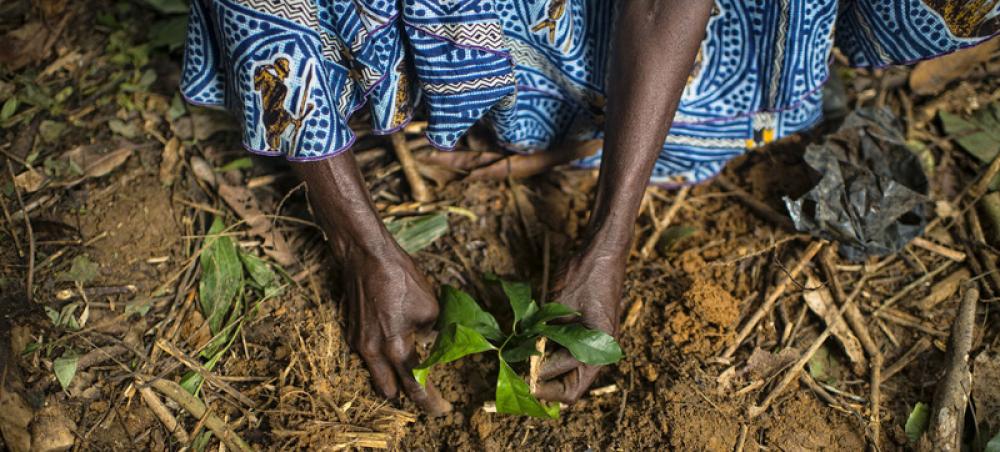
[(591, 283)]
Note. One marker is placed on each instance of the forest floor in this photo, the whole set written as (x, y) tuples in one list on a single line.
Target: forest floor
[(110, 185)]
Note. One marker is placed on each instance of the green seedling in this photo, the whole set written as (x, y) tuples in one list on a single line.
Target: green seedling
[(466, 329)]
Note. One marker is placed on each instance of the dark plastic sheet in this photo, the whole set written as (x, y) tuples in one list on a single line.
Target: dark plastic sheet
[(871, 192)]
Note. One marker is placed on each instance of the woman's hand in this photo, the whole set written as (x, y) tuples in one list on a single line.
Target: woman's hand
[(391, 307), (645, 86), (591, 282), (390, 304)]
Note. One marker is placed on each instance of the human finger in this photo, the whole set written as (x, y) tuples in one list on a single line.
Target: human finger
[(556, 364), (570, 387), (383, 374), (403, 358)]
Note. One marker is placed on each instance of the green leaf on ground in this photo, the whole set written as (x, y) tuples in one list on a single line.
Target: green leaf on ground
[(994, 444), (8, 109), (65, 368), (453, 342), (514, 396), (238, 164), (416, 233), (917, 422), (674, 235), (221, 276), (824, 367), (458, 307), (978, 134), (261, 274), (586, 345), (82, 270)]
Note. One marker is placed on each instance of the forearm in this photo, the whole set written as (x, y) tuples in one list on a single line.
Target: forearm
[(655, 44), (343, 206)]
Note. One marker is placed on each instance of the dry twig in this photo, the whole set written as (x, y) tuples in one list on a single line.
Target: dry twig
[(952, 395), (417, 185), (772, 298)]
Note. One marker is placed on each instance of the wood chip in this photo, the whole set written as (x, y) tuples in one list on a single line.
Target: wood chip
[(944, 289)]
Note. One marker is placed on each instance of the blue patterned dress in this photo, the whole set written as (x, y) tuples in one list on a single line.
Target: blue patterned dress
[(535, 70)]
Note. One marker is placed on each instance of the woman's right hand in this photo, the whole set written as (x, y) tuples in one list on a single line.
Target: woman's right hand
[(390, 308), (390, 303)]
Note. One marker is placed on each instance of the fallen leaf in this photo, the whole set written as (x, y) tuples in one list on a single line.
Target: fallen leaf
[(82, 270), (25, 45), (245, 204), (917, 422), (94, 164), (50, 131), (65, 368), (30, 180), (170, 158), (931, 76), (821, 302)]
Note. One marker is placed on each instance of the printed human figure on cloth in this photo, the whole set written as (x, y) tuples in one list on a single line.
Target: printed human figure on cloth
[(270, 81)]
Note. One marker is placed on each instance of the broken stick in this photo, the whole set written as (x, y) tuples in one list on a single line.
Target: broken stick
[(952, 395), (410, 170)]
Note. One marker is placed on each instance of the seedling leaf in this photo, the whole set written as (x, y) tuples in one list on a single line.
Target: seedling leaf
[(916, 423), (65, 368), (416, 233), (519, 349), (519, 296), (548, 311), (454, 342), (222, 276), (514, 396), (459, 307), (262, 274), (589, 346)]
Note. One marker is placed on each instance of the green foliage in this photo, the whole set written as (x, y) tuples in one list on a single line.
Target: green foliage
[(221, 276), (994, 444), (978, 134), (514, 396), (917, 422), (65, 368), (467, 329), (454, 342), (416, 233), (230, 279), (82, 270)]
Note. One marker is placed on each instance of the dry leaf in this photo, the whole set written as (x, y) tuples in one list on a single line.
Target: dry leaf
[(98, 165), (30, 180), (821, 302), (932, 76), (243, 202), (171, 156), (202, 170), (25, 45)]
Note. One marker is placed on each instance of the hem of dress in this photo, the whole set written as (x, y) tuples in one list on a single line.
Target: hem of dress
[(962, 46)]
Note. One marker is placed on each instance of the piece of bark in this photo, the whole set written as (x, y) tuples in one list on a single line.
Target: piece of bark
[(951, 397), (944, 289), (821, 302)]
